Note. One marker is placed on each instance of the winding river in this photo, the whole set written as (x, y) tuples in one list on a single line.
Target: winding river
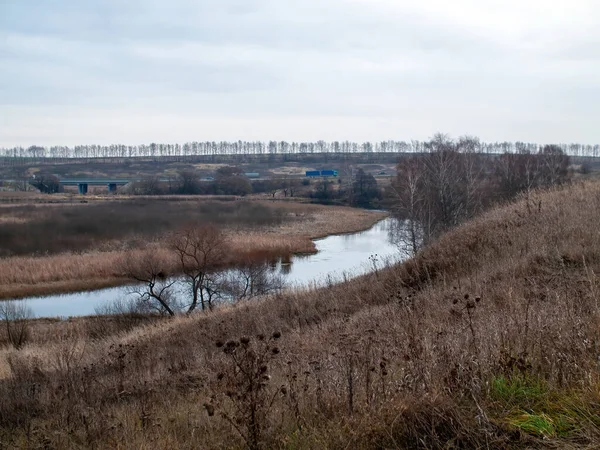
[(337, 257)]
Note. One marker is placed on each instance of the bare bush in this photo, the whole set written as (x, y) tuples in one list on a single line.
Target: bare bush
[(148, 185), (118, 316), (245, 396), (16, 316)]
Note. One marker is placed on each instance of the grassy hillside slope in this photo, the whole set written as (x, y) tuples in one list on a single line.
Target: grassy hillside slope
[(490, 338)]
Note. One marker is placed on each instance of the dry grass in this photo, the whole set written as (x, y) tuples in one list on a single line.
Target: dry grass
[(24, 276), (490, 338)]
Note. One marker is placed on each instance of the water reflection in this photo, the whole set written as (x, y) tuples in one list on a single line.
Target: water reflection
[(406, 235), (285, 266), (338, 258)]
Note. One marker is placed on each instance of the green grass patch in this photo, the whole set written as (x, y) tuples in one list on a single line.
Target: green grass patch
[(518, 390), (552, 424), (527, 403)]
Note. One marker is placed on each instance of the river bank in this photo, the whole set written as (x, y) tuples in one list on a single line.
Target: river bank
[(67, 272), (337, 258)]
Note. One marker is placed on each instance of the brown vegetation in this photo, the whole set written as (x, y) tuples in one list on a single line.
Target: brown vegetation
[(487, 339), (90, 247), (42, 229)]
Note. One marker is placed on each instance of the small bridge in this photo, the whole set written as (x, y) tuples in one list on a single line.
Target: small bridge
[(83, 183)]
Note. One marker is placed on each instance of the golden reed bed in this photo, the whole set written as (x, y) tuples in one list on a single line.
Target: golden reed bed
[(71, 272)]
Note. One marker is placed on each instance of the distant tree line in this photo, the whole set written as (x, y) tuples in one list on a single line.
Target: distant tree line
[(239, 148), (229, 180), (451, 182), (357, 189)]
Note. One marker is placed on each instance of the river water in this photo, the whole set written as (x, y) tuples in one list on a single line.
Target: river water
[(337, 257)]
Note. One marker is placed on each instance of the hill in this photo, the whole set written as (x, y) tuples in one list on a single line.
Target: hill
[(487, 338)]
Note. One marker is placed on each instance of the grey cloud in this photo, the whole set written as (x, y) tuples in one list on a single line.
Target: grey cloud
[(324, 25), (299, 58)]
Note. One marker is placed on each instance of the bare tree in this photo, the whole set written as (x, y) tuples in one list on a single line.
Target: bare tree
[(189, 182), (46, 183), (524, 171), (473, 172), (324, 190), (21, 179), (273, 187), (148, 269), (554, 165), (16, 314), (148, 185), (440, 188), (289, 185), (199, 250), (516, 172), (409, 204), (364, 189), (444, 190), (230, 180)]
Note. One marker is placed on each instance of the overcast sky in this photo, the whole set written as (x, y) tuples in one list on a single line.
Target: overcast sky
[(138, 71)]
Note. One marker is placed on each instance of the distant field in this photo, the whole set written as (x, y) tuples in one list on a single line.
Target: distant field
[(168, 168)]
